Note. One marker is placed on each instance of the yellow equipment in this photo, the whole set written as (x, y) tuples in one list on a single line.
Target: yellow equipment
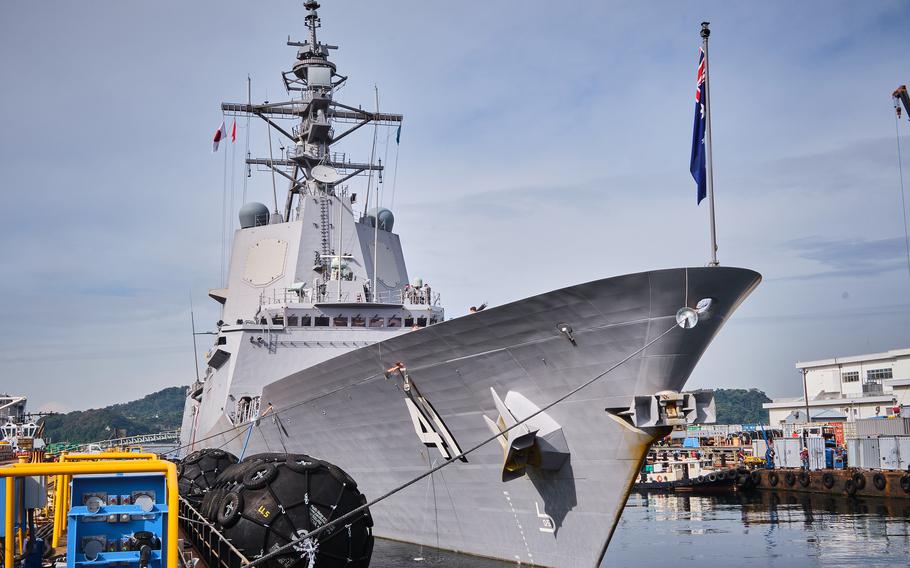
[(91, 464)]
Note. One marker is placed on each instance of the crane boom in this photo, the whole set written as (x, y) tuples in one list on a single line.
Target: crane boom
[(900, 94)]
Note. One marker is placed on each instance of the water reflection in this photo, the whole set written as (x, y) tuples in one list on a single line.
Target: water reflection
[(756, 529), (761, 529)]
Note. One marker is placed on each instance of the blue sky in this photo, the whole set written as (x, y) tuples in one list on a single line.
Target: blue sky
[(543, 145)]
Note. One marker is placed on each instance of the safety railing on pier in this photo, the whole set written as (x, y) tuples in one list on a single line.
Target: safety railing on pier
[(214, 549)]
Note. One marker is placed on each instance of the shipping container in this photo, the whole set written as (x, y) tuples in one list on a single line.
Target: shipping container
[(863, 452), (816, 446), (883, 427), (894, 452), (787, 452)]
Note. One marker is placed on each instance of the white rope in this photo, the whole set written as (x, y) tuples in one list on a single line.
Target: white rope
[(900, 168)]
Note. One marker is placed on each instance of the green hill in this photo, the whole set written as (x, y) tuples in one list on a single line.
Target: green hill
[(159, 411), (741, 406)]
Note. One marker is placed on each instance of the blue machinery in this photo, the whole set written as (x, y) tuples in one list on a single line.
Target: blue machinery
[(119, 512)]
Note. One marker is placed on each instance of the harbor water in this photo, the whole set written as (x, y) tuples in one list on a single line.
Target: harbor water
[(762, 529)]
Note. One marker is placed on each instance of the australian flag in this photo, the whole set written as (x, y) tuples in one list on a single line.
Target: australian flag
[(697, 163)]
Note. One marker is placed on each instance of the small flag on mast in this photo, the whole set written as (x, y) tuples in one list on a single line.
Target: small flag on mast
[(220, 135), (398, 135), (697, 162), (234, 131)]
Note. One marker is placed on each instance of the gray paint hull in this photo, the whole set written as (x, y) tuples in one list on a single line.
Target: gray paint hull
[(345, 411)]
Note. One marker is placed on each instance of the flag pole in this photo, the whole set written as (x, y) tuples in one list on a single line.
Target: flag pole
[(705, 32)]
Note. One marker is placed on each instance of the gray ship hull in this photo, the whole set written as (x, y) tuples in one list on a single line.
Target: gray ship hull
[(346, 411)]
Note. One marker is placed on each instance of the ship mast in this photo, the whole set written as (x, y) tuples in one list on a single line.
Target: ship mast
[(315, 78)]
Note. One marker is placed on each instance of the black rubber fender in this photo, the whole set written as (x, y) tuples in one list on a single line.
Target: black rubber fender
[(879, 481), (712, 477), (905, 483), (828, 480), (804, 478), (790, 479), (850, 487), (773, 479), (859, 480)]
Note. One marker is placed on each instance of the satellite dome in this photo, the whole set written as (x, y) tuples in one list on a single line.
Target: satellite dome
[(253, 215), (386, 219)]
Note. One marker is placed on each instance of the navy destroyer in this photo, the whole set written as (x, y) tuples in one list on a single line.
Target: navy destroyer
[(326, 347)]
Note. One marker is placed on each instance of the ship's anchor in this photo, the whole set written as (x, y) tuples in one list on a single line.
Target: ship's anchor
[(538, 441)]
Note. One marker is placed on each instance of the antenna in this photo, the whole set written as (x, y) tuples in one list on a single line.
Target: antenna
[(193, 324), (376, 207)]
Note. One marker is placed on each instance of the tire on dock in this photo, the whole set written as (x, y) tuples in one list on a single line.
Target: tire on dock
[(850, 487), (804, 478), (755, 477), (773, 479), (790, 479), (879, 481), (859, 480), (905, 482), (828, 480)]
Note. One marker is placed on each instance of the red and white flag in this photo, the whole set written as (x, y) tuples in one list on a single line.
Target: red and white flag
[(234, 131), (220, 135)]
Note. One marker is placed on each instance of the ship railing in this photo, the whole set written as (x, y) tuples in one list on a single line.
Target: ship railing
[(215, 550), (408, 297)]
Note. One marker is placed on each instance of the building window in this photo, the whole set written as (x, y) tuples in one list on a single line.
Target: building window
[(876, 375), (850, 377)]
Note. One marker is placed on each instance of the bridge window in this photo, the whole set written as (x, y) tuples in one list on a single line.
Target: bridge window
[(358, 321), (409, 322), (340, 321), (376, 321), (322, 321), (421, 322), (433, 320), (395, 321), (278, 320), (293, 321), (305, 321)]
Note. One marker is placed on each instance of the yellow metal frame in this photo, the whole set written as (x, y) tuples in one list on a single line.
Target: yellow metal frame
[(66, 470), (62, 484)]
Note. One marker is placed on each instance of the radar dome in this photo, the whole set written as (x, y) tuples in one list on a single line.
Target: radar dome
[(253, 215), (386, 219)]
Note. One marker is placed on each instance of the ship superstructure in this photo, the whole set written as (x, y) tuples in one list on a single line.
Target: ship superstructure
[(325, 347), (315, 279)]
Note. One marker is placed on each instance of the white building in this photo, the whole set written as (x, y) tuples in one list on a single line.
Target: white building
[(848, 388)]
